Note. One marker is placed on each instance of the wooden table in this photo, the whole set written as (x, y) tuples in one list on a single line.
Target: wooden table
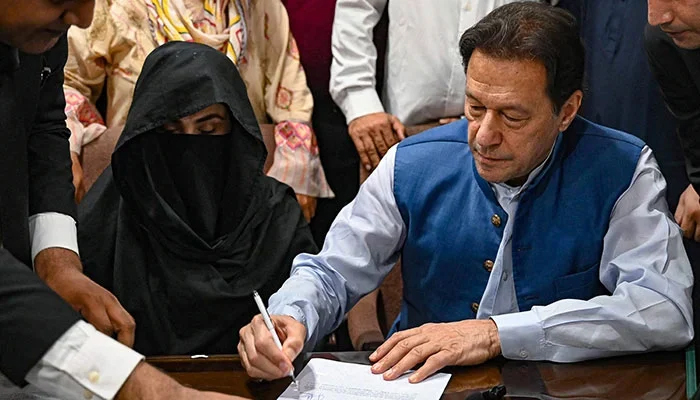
[(656, 376)]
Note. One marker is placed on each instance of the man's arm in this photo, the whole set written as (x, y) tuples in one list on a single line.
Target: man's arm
[(643, 265), (353, 81), (53, 212), (353, 70), (361, 248), (680, 93), (50, 177)]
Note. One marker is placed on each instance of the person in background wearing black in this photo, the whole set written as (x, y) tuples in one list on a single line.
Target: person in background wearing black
[(42, 340)]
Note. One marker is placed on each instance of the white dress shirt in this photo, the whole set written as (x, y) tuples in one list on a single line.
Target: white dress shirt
[(643, 265), (83, 363), (424, 76)]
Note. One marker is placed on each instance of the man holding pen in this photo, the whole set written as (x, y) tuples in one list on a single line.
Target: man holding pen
[(524, 231)]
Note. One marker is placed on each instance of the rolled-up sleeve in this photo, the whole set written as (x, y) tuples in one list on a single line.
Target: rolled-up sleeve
[(643, 265)]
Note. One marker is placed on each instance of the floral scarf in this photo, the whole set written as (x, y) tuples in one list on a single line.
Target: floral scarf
[(217, 23)]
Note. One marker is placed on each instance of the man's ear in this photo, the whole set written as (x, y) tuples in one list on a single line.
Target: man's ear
[(570, 109)]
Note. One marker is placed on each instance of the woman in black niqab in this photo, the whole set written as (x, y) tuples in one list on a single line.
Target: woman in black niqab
[(181, 227)]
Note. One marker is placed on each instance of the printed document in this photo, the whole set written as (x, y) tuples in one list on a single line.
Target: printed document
[(323, 379)]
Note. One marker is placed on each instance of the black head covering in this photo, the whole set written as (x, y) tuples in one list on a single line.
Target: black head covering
[(182, 228)]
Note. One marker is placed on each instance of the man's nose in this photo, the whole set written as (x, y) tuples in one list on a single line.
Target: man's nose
[(659, 12), (488, 133), (79, 13)]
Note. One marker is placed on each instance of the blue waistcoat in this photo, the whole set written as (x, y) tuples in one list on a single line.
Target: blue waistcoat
[(454, 223)]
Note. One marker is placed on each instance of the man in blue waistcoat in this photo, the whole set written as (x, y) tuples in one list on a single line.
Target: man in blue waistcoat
[(524, 230)]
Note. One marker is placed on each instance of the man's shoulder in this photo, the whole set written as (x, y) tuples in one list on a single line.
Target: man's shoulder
[(455, 132), (604, 135)]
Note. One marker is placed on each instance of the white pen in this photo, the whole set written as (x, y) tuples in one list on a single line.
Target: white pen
[(270, 327)]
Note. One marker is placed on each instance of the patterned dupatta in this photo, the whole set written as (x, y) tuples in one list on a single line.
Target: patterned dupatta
[(219, 24)]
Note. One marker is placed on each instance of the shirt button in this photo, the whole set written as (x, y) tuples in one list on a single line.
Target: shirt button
[(87, 394), (505, 276), (475, 307), (94, 376), (488, 265), (523, 354), (496, 220)]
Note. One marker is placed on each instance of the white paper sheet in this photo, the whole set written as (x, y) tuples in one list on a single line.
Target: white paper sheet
[(323, 379)]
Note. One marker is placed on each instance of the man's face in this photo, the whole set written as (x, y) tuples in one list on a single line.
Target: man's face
[(34, 26), (680, 19), (512, 125)]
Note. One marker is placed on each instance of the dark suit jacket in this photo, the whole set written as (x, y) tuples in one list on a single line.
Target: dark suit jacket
[(35, 177), (678, 73)]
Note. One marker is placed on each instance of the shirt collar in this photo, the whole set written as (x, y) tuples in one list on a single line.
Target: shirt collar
[(516, 190), (9, 58)]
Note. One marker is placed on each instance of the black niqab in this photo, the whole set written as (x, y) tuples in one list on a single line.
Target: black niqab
[(182, 228)]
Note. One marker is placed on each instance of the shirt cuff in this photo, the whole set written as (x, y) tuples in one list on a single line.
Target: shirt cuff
[(360, 102), (521, 335), (84, 363), (52, 229), (297, 313)]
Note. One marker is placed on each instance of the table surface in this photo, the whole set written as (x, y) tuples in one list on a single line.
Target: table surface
[(655, 376)]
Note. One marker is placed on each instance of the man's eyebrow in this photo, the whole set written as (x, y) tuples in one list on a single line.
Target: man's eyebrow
[(471, 96), (513, 107)]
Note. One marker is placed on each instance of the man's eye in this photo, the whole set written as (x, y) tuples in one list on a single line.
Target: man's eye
[(477, 109), (512, 119)]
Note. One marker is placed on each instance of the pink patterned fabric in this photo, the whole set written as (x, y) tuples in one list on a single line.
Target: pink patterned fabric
[(297, 152), (82, 119)]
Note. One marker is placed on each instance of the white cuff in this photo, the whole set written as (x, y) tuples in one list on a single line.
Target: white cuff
[(292, 311), (521, 336), (84, 363), (360, 102), (52, 229)]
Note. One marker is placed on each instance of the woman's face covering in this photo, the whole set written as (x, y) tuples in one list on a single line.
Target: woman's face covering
[(213, 120)]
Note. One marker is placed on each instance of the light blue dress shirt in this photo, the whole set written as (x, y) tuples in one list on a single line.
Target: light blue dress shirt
[(643, 265)]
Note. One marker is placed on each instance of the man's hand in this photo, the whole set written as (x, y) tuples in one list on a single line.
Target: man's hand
[(308, 206), (373, 134), (259, 354), (77, 177), (62, 272), (467, 342), (147, 383), (688, 213)]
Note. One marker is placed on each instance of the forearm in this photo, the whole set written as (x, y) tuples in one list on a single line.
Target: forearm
[(147, 382), (360, 249), (55, 260), (576, 330)]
